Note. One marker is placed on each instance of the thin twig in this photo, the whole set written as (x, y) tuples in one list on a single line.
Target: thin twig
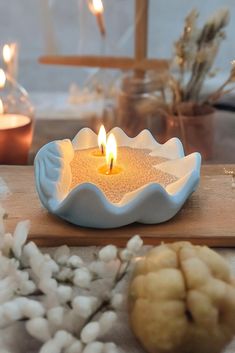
[(120, 274)]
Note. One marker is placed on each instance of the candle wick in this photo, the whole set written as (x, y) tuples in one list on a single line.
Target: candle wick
[(111, 165), (102, 148)]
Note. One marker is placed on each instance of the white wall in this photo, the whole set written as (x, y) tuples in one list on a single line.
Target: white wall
[(21, 20)]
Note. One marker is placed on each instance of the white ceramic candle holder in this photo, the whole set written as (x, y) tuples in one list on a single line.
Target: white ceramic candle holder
[(86, 205)]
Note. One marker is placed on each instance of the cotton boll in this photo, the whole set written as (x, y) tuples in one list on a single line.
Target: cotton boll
[(21, 301), (27, 287), (6, 294), (50, 300), (75, 261), (20, 237), (61, 255), (45, 270), (9, 276), (31, 250), (82, 278), (117, 300), (7, 288), (50, 347), (98, 267), (64, 293), (33, 256), (135, 244), (71, 322), (56, 316), (52, 265), (36, 262), (94, 347), (90, 332), (48, 285), (14, 265), (108, 253), (24, 286), (63, 339), (11, 311), (126, 255), (110, 347), (84, 306), (64, 274), (22, 275), (39, 329), (75, 347), (32, 309), (107, 320)]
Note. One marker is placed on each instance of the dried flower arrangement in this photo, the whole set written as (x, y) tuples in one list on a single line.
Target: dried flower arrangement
[(164, 101), (195, 53)]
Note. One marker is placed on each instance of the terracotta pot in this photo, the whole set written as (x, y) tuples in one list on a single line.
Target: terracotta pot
[(195, 128)]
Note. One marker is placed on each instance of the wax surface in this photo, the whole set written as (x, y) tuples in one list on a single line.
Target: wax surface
[(12, 121), (137, 169)]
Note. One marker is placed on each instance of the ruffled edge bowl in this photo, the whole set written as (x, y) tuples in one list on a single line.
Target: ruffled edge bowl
[(87, 206)]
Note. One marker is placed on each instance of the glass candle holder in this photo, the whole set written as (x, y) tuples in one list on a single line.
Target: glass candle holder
[(138, 104), (16, 122)]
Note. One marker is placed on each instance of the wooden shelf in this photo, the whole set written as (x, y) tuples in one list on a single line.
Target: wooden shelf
[(206, 218)]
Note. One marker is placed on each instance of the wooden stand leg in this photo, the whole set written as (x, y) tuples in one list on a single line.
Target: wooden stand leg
[(141, 32)]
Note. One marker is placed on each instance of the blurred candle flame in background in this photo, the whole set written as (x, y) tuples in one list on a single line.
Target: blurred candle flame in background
[(102, 139), (2, 78)]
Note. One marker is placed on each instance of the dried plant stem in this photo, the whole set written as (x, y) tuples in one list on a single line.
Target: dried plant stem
[(163, 95), (220, 92), (182, 129), (196, 51), (199, 73), (105, 303)]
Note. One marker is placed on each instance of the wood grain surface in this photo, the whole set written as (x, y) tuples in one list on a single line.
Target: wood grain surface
[(208, 217), (106, 62)]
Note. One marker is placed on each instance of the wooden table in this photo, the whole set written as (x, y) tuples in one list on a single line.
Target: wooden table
[(208, 216)]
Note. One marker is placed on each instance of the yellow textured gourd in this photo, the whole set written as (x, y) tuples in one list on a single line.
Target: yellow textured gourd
[(182, 300)]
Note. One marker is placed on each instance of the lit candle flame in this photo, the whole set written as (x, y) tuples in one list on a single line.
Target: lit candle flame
[(7, 53), (96, 6), (102, 139), (2, 78), (1, 107), (111, 151)]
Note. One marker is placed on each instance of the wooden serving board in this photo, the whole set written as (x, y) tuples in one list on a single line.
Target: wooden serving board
[(208, 217)]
